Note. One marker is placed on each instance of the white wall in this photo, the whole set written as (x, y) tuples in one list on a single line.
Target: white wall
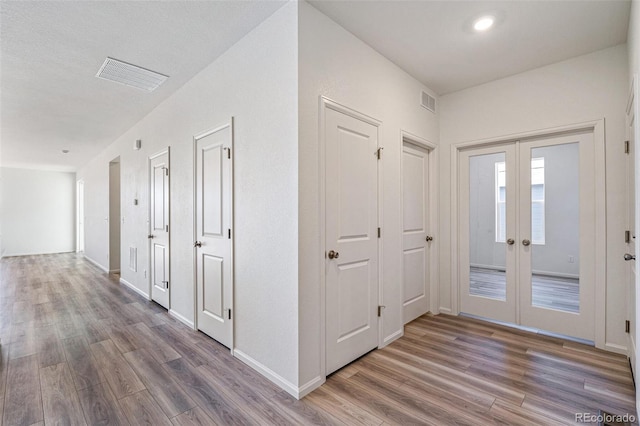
[(255, 81), (339, 66), (581, 89), (633, 38), (38, 211)]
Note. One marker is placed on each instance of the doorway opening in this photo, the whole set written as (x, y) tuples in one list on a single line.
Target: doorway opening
[(80, 216), (114, 216)]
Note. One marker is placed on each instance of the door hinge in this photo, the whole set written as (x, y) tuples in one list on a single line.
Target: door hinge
[(379, 232), (379, 152), (229, 233), (627, 326), (228, 313), (166, 228), (626, 147), (380, 308), (166, 284), (627, 236), (228, 152), (166, 171)]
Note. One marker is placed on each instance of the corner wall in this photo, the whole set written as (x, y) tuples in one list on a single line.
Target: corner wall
[(336, 64), (255, 82), (581, 89), (38, 211)]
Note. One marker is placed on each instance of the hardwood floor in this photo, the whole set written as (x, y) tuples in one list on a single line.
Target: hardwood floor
[(546, 291), (79, 348)]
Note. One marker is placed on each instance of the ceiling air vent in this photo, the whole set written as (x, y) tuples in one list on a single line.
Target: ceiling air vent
[(428, 101), (130, 75)]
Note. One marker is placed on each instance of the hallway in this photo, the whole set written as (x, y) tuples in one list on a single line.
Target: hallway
[(78, 348)]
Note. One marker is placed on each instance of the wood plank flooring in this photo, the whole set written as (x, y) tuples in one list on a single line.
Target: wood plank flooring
[(79, 348), (546, 291)]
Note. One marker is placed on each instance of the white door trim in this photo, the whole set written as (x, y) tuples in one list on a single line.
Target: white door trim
[(230, 124), (325, 103), (597, 127), (434, 197), (150, 242)]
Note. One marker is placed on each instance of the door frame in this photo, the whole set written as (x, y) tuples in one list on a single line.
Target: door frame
[(167, 151), (324, 103), (597, 128), (229, 123), (633, 108), (434, 196)]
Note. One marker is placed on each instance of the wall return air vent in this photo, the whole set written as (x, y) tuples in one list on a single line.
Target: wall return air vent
[(130, 75), (428, 101)]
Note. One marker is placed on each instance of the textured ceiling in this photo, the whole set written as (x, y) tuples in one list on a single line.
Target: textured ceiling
[(50, 52), (433, 42)]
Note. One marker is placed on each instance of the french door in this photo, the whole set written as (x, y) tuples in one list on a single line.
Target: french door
[(527, 233)]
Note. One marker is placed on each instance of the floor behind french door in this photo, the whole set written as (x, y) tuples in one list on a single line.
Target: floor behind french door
[(547, 291), (77, 347)]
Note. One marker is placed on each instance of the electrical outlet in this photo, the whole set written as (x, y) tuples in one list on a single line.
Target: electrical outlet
[(571, 259)]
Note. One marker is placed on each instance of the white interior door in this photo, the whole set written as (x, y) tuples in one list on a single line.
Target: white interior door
[(416, 241), (527, 233), (556, 242), (487, 232), (159, 227), (630, 236), (351, 238), (213, 246)]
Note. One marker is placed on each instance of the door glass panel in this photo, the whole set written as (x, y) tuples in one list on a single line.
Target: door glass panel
[(555, 227), (487, 226)]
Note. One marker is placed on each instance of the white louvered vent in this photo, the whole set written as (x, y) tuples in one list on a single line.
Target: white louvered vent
[(133, 259), (130, 75), (428, 102)]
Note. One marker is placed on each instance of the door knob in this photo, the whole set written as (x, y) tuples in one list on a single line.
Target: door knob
[(429, 238), (197, 244), (333, 254), (526, 242), (628, 256), (511, 241), (150, 236)]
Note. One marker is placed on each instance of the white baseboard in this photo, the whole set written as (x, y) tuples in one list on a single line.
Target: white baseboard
[(310, 386), (96, 263), (182, 319), (392, 337), (614, 347), (134, 288), (271, 375), (445, 311)]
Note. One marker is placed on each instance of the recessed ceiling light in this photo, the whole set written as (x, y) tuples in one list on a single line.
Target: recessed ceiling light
[(130, 75), (65, 151), (483, 23)]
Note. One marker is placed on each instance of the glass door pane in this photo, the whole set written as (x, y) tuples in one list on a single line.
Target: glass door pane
[(487, 226), (555, 227)]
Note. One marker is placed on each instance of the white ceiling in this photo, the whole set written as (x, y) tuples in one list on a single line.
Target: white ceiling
[(50, 52), (433, 42)]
